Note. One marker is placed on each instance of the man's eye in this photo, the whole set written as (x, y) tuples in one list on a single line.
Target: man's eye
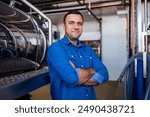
[(71, 22), (80, 23)]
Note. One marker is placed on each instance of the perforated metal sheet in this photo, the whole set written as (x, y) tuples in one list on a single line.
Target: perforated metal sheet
[(15, 86), (19, 77), (11, 66)]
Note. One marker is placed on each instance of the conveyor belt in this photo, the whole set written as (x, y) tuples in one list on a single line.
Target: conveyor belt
[(15, 86)]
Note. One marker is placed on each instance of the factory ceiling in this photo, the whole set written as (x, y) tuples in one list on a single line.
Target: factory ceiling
[(52, 6), (55, 9)]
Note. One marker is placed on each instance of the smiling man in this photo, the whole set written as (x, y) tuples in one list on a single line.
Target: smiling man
[(74, 68)]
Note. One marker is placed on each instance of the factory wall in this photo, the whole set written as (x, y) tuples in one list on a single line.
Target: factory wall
[(114, 44)]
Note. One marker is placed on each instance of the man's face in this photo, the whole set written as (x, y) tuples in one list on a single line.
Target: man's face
[(73, 26)]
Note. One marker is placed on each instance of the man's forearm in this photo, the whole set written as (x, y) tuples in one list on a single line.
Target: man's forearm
[(85, 75), (90, 80)]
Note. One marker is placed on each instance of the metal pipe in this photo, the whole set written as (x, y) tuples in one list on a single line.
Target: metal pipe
[(38, 4), (61, 10), (140, 80), (85, 2), (145, 15), (141, 38), (89, 4), (44, 16), (139, 30), (145, 23), (132, 27), (90, 11), (145, 39), (77, 7)]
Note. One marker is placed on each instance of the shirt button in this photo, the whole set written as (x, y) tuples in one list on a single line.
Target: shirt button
[(80, 56), (82, 66)]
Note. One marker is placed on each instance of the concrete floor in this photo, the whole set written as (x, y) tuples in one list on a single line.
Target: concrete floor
[(111, 90)]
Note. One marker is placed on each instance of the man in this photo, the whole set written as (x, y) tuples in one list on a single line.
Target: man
[(74, 68)]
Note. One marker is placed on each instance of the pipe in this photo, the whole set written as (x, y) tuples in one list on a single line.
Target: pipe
[(62, 9), (89, 11), (38, 4), (147, 93), (132, 27), (77, 7), (86, 3), (145, 37), (140, 80), (139, 25), (44, 16), (90, 4), (145, 22), (145, 15)]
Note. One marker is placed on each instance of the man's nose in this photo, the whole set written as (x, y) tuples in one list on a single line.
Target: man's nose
[(76, 26)]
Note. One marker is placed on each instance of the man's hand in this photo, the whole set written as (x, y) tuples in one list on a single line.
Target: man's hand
[(91, 71), (91, 82), (85, 75)]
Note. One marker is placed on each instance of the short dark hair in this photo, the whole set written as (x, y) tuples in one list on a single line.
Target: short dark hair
[(72, 12)]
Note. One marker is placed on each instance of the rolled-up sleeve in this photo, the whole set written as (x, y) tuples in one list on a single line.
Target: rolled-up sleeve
[(101, 75), (98, 78)]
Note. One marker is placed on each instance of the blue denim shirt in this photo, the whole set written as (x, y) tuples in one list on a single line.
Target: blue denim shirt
[(64, 78)]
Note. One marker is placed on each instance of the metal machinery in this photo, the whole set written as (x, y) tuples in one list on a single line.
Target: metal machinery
[(136, 73), (23, 45)]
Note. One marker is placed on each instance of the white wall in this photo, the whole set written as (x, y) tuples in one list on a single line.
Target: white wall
[(114, 44)]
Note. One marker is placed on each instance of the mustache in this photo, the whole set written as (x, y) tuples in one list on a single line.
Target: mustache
[(75, 31)]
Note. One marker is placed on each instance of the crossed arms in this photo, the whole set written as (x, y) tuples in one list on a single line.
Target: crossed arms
[(85, 75)]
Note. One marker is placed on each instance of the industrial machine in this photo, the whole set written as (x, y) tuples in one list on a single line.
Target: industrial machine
[(23, 45)]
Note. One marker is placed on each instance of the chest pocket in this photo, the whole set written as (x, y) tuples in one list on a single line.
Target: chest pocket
[(88, 61), (81, 62), (73, 59)]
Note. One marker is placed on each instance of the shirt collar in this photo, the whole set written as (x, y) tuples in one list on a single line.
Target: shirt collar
[(67, 41)]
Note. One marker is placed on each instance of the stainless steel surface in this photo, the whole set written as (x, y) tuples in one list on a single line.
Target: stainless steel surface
[(22, 35), (29, 39), (44, 16), (23, 45)]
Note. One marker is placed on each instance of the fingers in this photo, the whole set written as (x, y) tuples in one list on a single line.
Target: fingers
[(91, 70), (90, 82)]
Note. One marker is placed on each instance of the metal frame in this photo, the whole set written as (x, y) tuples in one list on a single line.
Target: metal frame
[(44, 16)]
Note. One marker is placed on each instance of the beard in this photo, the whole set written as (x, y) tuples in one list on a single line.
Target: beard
[(74, 37)]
